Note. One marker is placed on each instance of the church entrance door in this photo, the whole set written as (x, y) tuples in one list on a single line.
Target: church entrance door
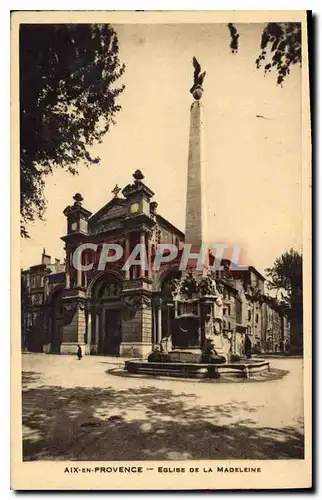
[(113, 332), (106, 295)]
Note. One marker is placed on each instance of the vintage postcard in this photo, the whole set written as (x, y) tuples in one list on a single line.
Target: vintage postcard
[(161, 239)]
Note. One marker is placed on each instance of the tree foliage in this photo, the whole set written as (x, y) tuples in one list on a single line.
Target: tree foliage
[(280, 47), (286, 272), (68, 101), (286, 275)]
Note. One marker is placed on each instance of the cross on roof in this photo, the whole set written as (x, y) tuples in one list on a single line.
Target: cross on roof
[(116, 191)]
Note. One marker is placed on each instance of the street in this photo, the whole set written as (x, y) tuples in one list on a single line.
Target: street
[(88, 410)]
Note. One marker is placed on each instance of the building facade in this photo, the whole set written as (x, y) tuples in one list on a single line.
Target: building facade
[(127, 312)]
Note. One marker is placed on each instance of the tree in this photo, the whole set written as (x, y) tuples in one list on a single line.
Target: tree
[(286, 275), (284, 42), (68, 100)]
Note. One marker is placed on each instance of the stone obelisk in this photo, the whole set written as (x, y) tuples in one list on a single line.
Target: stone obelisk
[(195, 294), (196, 223)]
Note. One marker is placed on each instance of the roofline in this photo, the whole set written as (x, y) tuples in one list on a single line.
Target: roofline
[(36, 267), (252, 268), (169, 224)]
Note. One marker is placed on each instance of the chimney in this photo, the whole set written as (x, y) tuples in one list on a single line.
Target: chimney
[(45, 259)]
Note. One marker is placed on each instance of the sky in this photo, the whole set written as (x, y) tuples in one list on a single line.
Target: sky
[(252, 164)]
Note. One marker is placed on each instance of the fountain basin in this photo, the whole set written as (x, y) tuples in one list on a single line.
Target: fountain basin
[(240, 369)]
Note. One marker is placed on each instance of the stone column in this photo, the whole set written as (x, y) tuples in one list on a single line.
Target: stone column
[(79, 277), (89, 331), (78, 272), (149, 258), (97, 330), (154, 324), (159, 320), (68, 269), (85, 272), (169, 318), (126, 256), (142, 242)]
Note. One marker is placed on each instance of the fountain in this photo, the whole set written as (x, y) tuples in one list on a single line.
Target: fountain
[(199, 348)]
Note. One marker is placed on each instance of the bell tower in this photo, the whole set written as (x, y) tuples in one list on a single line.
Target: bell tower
[(74, 297), (137, 285)]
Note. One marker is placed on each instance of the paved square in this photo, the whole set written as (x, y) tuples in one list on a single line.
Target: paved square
[(80, 410)]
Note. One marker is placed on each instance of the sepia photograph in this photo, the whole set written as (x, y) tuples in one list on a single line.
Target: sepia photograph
[(162, 279)]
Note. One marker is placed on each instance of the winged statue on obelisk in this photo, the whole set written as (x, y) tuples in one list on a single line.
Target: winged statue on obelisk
[(198, 78)]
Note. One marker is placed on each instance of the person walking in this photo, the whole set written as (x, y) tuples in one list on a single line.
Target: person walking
[(79, 352)]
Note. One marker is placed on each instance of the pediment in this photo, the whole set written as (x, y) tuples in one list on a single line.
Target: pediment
[(115, 209), (112, 213)]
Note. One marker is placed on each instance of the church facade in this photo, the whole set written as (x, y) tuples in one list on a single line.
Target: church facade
[(127, 312)]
